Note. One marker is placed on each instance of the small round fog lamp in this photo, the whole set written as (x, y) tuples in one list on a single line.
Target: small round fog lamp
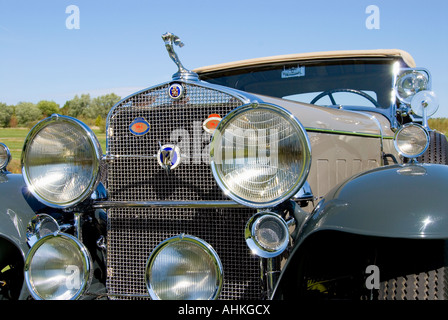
[(267, 234), (412, 140)]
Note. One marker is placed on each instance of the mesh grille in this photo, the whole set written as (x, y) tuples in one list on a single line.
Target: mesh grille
[(179, 123), (134, 232)]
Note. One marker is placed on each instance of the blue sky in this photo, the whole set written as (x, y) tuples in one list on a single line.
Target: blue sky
[(118, 47)]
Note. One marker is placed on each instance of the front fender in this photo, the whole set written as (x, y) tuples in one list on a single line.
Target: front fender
[(400, 201), (15, 211)]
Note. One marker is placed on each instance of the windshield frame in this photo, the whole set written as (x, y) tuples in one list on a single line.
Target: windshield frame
[(388, 106)]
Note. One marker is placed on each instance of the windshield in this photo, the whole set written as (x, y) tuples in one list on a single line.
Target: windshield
[(350, 82)]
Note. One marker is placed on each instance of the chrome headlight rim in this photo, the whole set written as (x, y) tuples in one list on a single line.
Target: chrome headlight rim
[(5, 163), (86, 261), (94, 143), (304, 141), (404, 127), (208, 249), (253, 241), (410, 72), (39, 226)]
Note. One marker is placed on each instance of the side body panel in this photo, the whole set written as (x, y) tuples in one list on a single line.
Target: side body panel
[(15, 213)]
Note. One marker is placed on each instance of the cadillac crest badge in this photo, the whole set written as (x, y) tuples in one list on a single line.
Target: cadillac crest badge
[(176, 91)]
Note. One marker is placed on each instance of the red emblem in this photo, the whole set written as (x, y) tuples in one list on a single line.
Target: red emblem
[(211, 123)]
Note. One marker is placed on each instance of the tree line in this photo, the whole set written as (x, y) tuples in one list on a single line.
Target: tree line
[(93, 111)]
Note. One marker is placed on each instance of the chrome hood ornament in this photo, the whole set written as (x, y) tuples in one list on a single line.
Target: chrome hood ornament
[(170, 41)]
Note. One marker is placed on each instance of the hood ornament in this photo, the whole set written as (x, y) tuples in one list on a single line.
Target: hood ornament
[(170, 41)]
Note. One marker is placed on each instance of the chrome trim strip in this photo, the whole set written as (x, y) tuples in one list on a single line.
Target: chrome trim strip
[(111, 157), (164, 204), (98, 296), (348, 133)]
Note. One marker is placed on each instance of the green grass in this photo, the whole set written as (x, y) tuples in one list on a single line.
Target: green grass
[(439, 124), (15, 137)]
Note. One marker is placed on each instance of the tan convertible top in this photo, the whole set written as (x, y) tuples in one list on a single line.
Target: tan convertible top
[(407, 58)]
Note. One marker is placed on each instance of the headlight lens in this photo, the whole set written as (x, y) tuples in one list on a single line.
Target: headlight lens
[(267, 234), (58, 267), (411, 140), (60, 161), (409, 83), (260, 155), (184, 268), (5, 156)]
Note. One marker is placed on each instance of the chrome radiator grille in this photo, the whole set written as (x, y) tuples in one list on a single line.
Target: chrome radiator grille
[(134, 175)]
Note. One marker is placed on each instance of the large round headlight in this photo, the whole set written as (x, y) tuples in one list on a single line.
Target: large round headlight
[(411, 140), (60, 161), (58, 267), (409, 83), (260, 155), (184, 268)]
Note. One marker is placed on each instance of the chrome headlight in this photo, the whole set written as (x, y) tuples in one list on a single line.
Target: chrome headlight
[(40, 226), (410, 82), (267, 234), (184, 268), (58, 267), (412, 140), (5, 156), (61, 161), (260, 155)]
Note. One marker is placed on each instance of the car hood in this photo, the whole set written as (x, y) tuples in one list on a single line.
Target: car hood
[(333, 120)]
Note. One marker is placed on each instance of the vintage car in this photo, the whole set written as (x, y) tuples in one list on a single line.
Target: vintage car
[(311, 176)]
